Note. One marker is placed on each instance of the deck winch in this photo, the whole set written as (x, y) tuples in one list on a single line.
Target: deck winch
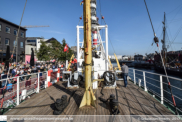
[(66, 75), (109, 78), (76, 79)]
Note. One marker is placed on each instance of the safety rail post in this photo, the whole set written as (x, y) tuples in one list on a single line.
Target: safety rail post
[(162, 94), (134, 76), (144, 79), (18, 91), (46, 82), (38, 82), (139, 82), (58, 74)]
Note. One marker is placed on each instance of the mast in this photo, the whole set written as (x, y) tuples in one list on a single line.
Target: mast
[(164, 49), (88, 98)]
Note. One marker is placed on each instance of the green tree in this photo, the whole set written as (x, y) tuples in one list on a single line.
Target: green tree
[(43, 52), (54, 51)]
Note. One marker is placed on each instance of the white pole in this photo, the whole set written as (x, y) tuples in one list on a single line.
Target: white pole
[(66, 64), (18, 88), (106, 40), (144, 79), (78, 47), (161, 85), (139, 82), (46, 82), (134, 76), (38, 82)]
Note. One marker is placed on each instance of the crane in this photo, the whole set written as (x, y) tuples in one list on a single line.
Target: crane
[(70, 62), (110, 66), (35, 26), (119, 67)]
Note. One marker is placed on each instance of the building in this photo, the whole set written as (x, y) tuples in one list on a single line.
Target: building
[(8, 32), (119, 57), (125, 58), (35, 43), (138, 57), (32, 42), (74, 49)]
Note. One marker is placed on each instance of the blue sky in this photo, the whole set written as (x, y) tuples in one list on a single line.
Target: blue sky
[(128, 23)]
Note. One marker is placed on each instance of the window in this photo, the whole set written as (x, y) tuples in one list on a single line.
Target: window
[(21, 44), (22, 34), (7, 30), (6, 41), (0, 27), (15, 32), (31, 40), (14, 43)]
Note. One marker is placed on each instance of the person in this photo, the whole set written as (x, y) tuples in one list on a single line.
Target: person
[(9, 86), (124, 69), (53, 67), (28, 79), (13, 72), (4, 81), (17, 74), (40, 73)]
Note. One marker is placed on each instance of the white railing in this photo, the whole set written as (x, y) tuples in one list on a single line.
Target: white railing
[(158, 85), (20, 87)]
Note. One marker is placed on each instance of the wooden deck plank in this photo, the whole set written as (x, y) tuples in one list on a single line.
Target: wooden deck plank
[(133, 101)]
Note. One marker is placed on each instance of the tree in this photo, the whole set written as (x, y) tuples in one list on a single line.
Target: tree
[(54, 51), (66, 55), (43, 52)]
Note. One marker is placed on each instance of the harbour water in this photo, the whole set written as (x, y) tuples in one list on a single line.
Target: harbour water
[(153, 84)]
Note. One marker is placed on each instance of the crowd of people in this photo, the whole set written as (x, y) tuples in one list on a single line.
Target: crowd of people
[(24, 70)]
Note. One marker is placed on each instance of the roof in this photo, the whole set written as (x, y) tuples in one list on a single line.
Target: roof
[(34, 38), (6, 21), (51, 39)]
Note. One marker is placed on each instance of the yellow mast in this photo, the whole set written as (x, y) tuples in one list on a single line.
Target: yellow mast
[(119, 67), (88, 97)]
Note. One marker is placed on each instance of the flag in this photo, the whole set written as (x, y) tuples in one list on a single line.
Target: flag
[(66, 48), (81, 3)]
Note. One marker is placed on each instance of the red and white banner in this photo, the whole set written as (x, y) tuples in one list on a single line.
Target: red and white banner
[(66, 48)]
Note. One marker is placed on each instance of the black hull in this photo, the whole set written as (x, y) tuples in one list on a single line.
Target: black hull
[(169, 71)]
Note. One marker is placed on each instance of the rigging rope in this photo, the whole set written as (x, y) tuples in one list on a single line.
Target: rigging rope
[(149, 17), (174, 9), (106, 24), (156, 41)]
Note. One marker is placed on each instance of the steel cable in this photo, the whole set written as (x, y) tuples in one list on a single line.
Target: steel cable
[(149, 17), (156, 41)]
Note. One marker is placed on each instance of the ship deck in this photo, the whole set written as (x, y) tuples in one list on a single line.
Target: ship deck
[(133, 101)]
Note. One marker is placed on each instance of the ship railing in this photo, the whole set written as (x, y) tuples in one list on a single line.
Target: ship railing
[(21, 88), (157, 85)]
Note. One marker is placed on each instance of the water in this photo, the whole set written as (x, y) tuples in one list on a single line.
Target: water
[(153, 84)]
